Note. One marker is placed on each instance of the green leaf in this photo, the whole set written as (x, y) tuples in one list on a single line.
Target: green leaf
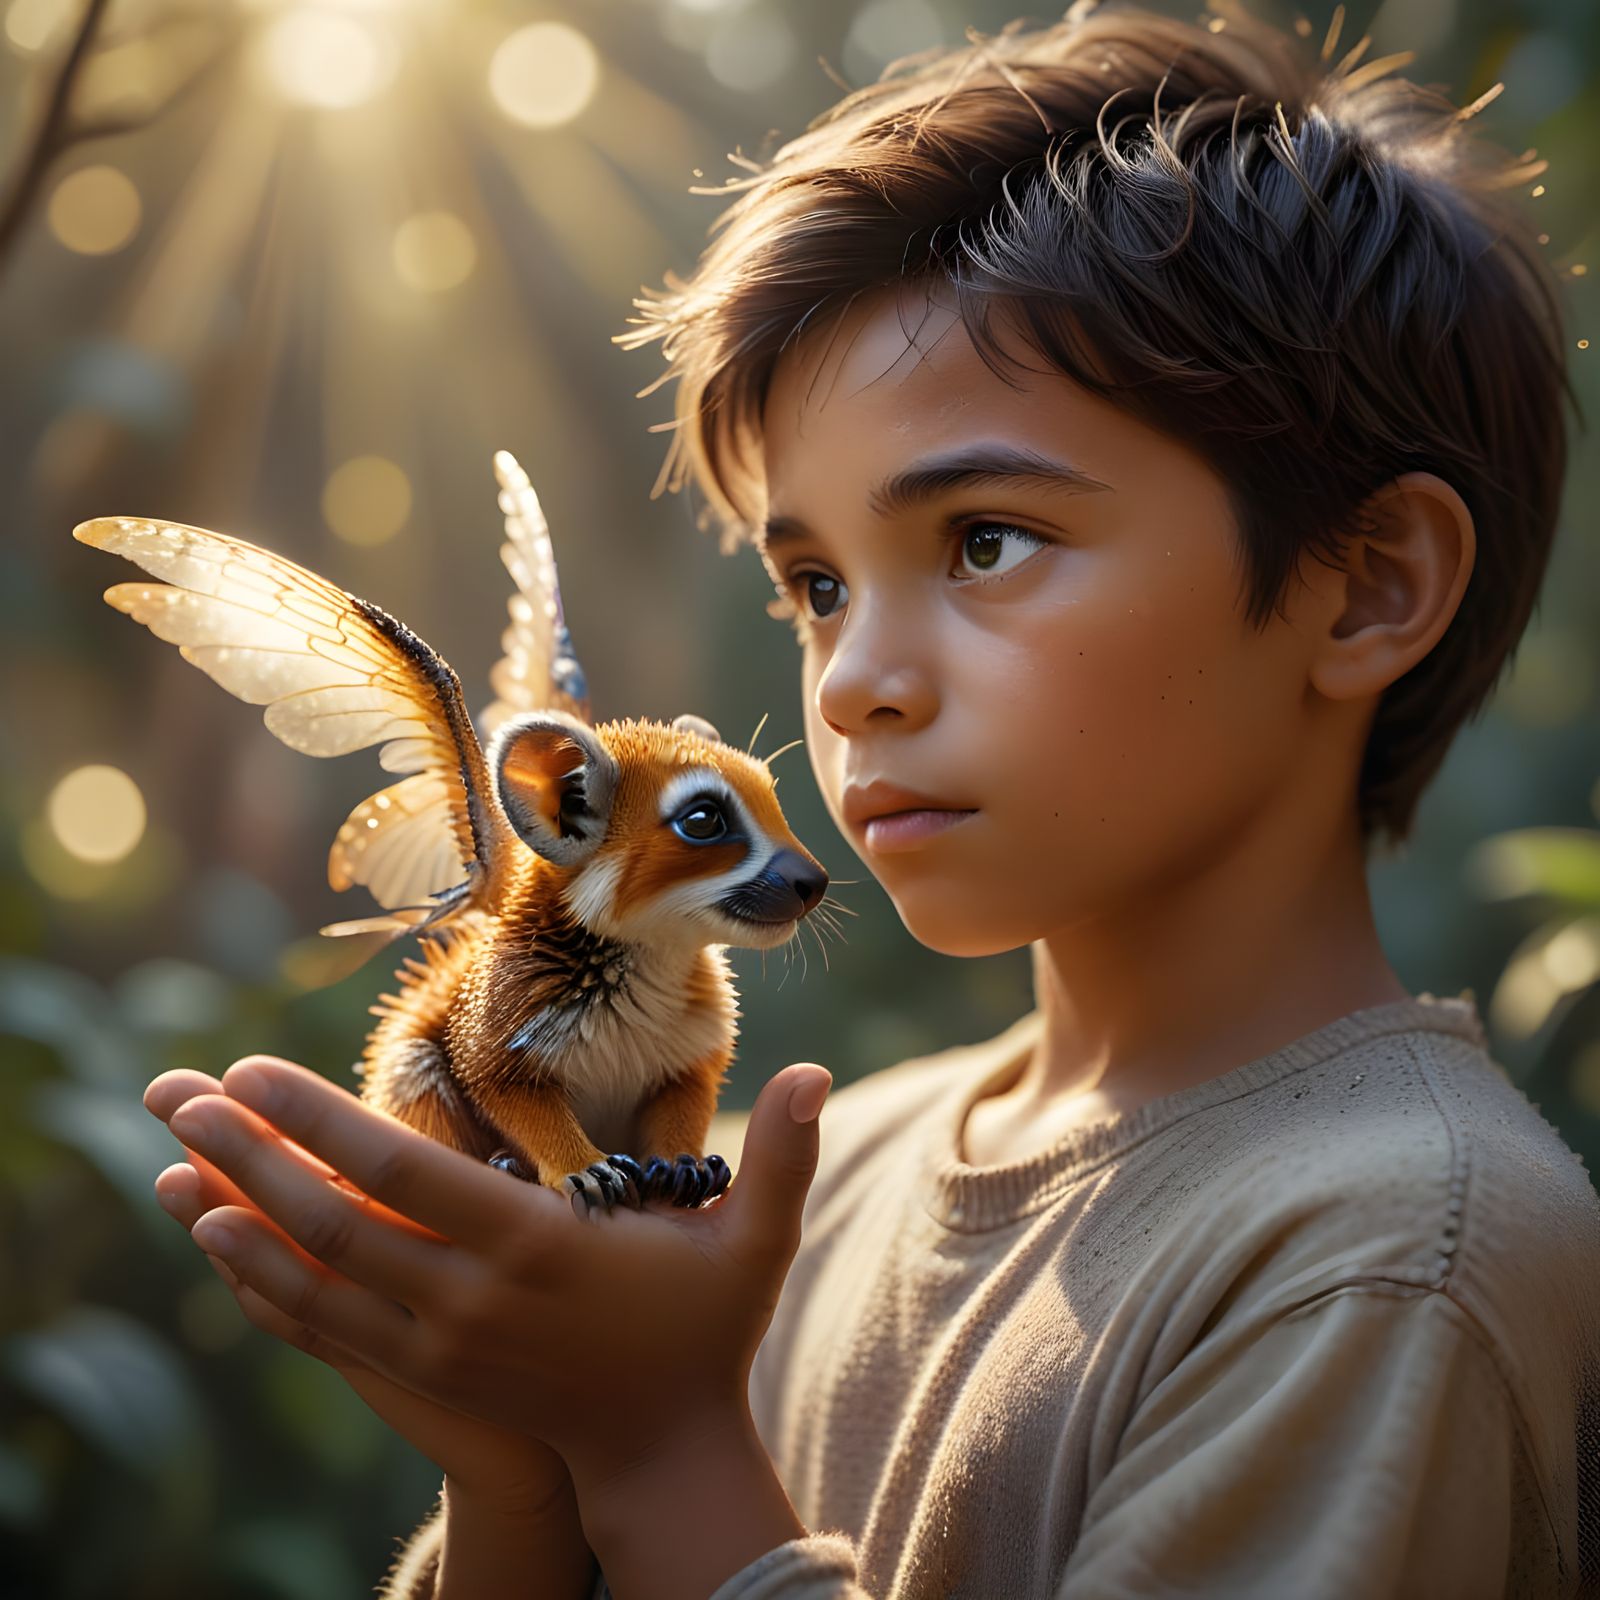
[(115, 1381), (68, 1012), (112, 1128), (1563, 863)]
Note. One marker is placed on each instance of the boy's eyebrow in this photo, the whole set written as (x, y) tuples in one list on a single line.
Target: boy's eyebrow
[(964, 466)]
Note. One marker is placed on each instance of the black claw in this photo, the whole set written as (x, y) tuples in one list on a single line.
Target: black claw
[(632, 1179), (627, 1166), (657, 1173), (720, 1174), (689, 1182), (610, 1182)]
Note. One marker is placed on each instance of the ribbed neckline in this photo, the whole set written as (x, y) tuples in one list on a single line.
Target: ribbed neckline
[(971, 1199)]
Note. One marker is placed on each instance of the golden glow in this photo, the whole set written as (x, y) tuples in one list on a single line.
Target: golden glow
[(94, 211), (327, 60), (97, 813), (1572, 957), (125, 80), (1551, 963), (434, 251), (32, 24), (544, 74), (367, 500)]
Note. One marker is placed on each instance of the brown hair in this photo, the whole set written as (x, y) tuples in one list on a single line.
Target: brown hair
[(1306, 270)]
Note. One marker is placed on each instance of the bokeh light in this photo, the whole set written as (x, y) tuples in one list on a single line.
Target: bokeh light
[(434, 251), (324, 59), (884, 30), (32, 25), (544, 74), (751, 50), (367, 500), (97, 813), (94, 210)]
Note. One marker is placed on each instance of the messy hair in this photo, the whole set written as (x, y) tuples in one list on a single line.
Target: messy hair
[(1308, 270)]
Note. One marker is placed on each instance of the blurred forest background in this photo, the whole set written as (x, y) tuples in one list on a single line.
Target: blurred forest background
[(295, 271)]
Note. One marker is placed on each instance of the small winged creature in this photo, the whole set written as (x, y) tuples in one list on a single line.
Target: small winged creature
[(574, 885)]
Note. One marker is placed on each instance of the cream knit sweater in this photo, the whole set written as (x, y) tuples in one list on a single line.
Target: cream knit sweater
[(1324, 1327)]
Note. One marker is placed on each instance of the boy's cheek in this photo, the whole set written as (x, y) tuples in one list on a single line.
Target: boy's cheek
[(1095, 790)]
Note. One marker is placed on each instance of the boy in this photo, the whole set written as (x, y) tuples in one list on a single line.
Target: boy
[(1158, 446)]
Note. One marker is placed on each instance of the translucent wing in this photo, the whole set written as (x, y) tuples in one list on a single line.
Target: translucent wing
[(539, 670), (401, 843), (335, 674)]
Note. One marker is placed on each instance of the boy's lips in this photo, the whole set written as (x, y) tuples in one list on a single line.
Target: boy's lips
[(891, 817)]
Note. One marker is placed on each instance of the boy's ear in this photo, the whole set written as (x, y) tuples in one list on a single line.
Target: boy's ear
[(556, 781), (1399, 587)]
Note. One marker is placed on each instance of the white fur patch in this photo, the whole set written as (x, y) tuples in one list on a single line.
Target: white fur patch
[(592, 892), (641, 1035)]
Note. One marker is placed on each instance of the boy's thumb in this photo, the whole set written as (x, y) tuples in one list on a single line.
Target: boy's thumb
[(779, 1158)]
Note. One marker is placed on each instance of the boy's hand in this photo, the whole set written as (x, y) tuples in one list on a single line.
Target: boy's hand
[(507, 1473), (618, 1342)]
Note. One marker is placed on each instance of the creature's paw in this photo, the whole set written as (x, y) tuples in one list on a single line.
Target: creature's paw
[(602, 1184), (508, 1161), (688, 1181)]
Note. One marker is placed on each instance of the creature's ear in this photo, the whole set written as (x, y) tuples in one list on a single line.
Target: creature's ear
[(556, 782), (690, 723)]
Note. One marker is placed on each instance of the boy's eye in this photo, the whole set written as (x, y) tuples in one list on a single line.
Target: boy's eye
[(701, 822), (824, 595), (988, 548)]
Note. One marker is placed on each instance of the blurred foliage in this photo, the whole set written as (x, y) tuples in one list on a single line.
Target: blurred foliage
[(227, 330)]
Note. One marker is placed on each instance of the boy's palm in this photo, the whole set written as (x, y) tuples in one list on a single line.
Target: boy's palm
[(499, 1468)]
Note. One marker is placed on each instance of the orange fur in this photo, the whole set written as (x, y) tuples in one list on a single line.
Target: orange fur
[(472, 1050)]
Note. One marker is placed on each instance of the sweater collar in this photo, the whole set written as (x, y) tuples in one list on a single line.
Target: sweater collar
[(972, 1199)]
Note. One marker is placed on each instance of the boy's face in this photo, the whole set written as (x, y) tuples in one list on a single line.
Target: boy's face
[(1067, 665)]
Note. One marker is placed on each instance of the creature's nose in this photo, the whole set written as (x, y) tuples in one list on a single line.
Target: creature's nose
[(804, 878)]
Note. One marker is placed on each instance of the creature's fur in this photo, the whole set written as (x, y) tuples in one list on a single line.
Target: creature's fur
[(571, 999), (588, 1009)]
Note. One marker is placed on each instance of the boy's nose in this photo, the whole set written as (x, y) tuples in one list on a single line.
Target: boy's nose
[(869, 682)]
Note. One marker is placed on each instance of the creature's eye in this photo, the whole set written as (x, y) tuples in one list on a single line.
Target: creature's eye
[(700, 822)]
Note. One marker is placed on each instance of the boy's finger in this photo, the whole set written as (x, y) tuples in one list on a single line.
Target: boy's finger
[(165, 1094), (269, 1319), (177, 1088), (187, 1190), (447, 1192), (339, 1228), (304, 1293)]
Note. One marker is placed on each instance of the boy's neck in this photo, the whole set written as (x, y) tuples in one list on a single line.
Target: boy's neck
[(1244, 956)]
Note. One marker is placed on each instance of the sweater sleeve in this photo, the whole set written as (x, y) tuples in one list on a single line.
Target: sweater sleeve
[(821, 1566), (1362, 1443)]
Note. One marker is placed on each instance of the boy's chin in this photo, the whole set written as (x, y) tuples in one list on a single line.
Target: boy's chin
[(943, 924)]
